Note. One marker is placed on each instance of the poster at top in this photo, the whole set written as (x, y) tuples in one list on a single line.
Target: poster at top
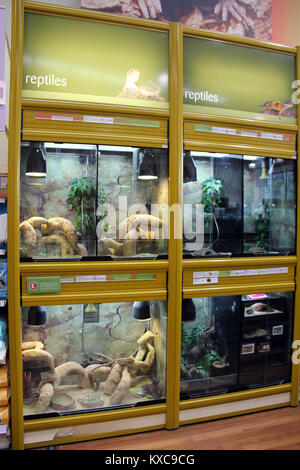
[(265, 20), (227, 79), (285, 22), (250, 18), (81, 60)]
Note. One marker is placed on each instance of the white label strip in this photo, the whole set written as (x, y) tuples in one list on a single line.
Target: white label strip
[(237, 273), (66, 279), (62, 118), (252, 272), (266, 135), (206, 280), (280, 270), (249, 134), (197, 275), (223, 130), (261, 272), (98, 278), (98, 119)]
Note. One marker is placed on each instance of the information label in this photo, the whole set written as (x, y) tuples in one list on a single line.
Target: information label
[(200, 276), (43, 285), (206, 280), (112, 277)]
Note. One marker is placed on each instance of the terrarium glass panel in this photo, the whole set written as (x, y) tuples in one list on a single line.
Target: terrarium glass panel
[(238, 205), (93, 357), (266, 339), (92, 201), (235, 343)]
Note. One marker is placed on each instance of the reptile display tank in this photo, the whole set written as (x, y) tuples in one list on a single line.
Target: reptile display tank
[(235, 343), (243, 205), (84, 201), (90, 357)]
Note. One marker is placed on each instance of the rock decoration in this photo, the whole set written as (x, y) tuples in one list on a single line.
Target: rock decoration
[(109, 246), (117, 374), (134, 228), (140, 221), (56, 230), (28, 232), (46, 393), (123, 370), (90, 401), (62, 401), (34, 351)]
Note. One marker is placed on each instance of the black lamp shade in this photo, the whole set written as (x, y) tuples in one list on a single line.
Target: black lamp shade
[(189, 168), (141, 311), (37, 316), (148, 167), (36, 162), (188, 310)]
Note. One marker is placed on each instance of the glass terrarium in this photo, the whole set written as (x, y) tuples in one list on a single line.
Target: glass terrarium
[(79, 358), (235, 342), (266, 338), (81, 201), (238, 205)]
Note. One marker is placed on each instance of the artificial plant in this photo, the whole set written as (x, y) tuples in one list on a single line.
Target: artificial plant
[(197, 361), (82, 198), (211, 191), (262, 225)]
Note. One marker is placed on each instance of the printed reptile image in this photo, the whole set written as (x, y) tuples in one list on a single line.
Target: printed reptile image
[(250, 18)]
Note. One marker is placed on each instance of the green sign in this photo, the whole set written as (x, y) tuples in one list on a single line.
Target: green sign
[(43, 285), (241, 81), (224, 273), (82, 60), (122, 277), (145, 277)]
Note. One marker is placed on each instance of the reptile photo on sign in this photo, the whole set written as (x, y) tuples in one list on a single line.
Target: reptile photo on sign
[(81, 60)]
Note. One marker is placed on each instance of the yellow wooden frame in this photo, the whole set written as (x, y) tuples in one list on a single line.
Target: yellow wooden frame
[(218, 142), (105, 134), (175, 266)]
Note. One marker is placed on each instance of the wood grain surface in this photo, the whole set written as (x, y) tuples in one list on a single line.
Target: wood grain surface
[(268, 430)]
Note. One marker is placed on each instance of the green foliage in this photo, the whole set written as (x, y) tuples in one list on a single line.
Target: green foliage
[(202, 371), (211, 190), (202, 366), (184, 336), (262, 225), (183, 366), (192, 338), (246, 246), (82, 199)]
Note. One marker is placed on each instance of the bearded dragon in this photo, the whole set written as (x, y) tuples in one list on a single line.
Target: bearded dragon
[(132, 89)]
